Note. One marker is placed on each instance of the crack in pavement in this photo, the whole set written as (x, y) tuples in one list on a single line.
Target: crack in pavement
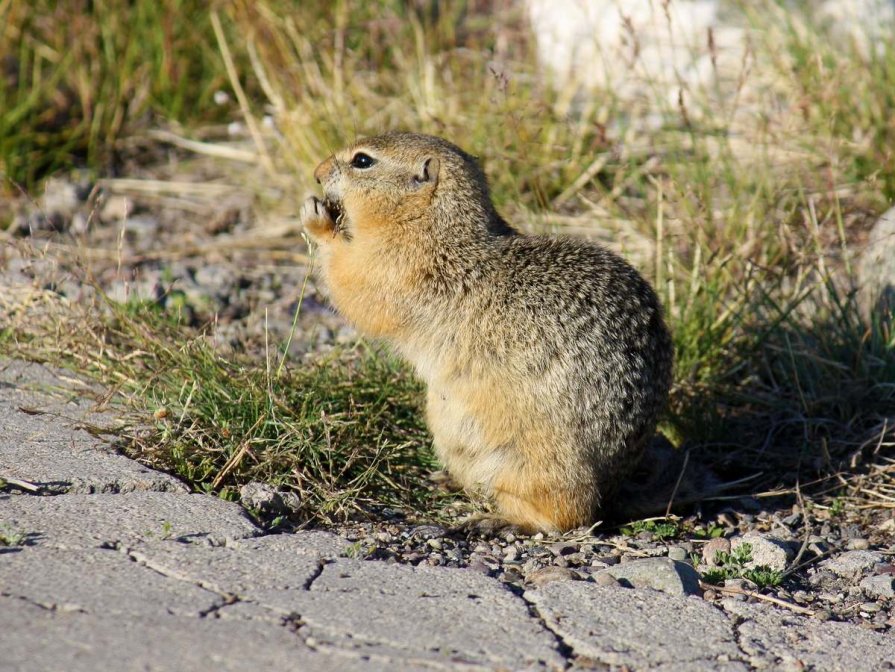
[(52, 606), (562, 647), (321, 563), (140, 559), (735, 623)]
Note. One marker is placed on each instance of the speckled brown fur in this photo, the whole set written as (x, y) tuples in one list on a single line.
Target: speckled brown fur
[(547, 359)]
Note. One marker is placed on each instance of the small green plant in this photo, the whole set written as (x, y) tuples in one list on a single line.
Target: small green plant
[(733, 566), (355, 551), (837, 508), (763, 576), (660, 529), (9, 536), (712, 531)]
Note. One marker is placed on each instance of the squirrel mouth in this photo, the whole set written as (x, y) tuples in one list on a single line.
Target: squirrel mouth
[(335, 211)]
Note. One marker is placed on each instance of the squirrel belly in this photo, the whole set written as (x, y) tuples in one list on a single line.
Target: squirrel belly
[(546, 360)]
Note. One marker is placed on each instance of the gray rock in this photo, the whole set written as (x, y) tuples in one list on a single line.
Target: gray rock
[(876, 266), (604, 579), (563, 548), (267, 499), (216, 278), (882, 586), (664, 574), (852, 564), (640, 630), (545, 575), (677, 553), (141, 225), (59, 197), (428, 532), (766, 551)]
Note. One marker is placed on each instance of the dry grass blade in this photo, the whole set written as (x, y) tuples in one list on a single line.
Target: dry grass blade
[(215, 149)]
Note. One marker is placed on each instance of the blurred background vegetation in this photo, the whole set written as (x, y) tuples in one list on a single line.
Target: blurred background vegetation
[(747, 201)]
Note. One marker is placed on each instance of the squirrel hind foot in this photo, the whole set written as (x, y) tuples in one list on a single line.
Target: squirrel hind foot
[(444, 481), (486, 525)]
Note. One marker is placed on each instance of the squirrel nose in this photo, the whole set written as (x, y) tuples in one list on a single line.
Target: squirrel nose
[(323, 170)]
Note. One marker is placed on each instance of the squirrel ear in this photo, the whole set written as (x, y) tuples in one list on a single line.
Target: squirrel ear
[(428, 171)]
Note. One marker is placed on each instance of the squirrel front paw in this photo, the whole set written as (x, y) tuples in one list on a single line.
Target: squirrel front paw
[(317, 220)]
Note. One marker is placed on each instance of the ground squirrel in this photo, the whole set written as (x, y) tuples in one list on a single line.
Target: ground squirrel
[(546, 359)]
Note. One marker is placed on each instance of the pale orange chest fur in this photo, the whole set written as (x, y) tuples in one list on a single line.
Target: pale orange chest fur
[(366, 290)]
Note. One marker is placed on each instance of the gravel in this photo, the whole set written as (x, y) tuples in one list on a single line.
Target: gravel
[(861, 593)]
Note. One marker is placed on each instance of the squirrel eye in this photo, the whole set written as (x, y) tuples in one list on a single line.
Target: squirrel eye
[(361, 160)]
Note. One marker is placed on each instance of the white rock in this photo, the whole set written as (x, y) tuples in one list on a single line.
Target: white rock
[(59, 197), (766, 551), (876, 267), (879, 586), (853, 563), (631, 46)]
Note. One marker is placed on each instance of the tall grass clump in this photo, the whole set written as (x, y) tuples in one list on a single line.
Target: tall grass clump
[(77, 77)]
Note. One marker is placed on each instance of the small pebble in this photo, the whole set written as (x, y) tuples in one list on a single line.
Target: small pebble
[(858, 544), (605, 579), (677, 553), (563, 548), (712, 548), (801, 597), (511, 576), (479, 566), (547, 575)]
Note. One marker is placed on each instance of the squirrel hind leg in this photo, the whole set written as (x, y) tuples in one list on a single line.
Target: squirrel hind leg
[(542, 510), (516, 515)]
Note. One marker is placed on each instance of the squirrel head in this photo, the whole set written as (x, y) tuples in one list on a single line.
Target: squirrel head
[(384, 185)]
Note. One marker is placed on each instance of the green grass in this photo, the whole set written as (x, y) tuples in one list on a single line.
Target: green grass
[(660, 529), (745, 207), (733, 566), (76, 78), (10, 536), (344, 433)]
